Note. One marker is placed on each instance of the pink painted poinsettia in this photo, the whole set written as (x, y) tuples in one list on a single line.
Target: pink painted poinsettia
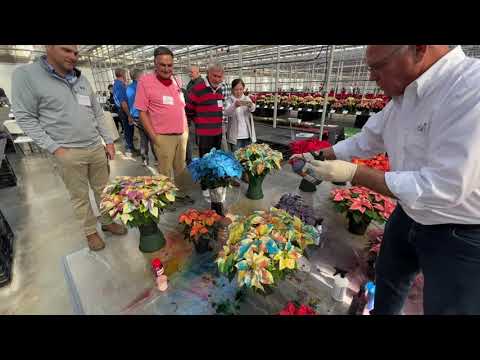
[(341, 194), (379, 207), (359, 198), (389, 207)]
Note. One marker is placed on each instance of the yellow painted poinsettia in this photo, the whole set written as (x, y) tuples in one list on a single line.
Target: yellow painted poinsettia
[(236, 231), (288, 258), (253, 270)]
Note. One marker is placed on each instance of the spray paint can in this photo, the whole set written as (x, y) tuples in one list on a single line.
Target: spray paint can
[(370, 289), (308, 175), (340, 285), (358, 302), (157, 267)]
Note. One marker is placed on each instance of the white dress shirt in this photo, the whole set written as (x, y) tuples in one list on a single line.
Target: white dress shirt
[(432, 136)]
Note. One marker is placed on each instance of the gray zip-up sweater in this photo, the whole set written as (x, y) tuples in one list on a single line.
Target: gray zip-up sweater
[(47, 109)]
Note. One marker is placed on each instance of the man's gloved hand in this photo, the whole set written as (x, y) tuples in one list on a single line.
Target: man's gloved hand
[(332, 170), (305, 156)]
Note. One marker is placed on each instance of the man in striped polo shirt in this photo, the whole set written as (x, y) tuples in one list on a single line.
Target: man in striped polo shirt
[(205, 106)]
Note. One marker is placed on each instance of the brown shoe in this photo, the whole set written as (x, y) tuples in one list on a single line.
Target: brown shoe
[(95, 242), (115, 229)]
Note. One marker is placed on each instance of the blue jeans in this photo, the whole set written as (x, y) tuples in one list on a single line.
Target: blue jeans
[(127, 130), (240, 144), (448, 255)]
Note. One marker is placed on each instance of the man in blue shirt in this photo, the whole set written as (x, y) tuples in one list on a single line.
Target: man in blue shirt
[(121, 103), (144, 139)]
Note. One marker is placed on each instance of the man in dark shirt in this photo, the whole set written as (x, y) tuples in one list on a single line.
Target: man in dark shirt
[(195, 77)]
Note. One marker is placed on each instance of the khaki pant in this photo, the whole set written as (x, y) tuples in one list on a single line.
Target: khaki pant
[(171, 151), (79, 168)]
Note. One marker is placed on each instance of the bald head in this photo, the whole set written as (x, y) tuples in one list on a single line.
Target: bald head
[(194, 72), (394, 67)]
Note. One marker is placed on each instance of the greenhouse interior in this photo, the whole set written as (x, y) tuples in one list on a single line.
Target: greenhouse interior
[(238, 180)]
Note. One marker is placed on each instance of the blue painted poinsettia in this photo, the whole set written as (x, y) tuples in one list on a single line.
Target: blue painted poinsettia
[(215, 169)]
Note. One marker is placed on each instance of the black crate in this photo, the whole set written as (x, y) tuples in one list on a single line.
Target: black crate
[(5, 269), (309, 115), (6, 251), (7, 176), (6, 236)]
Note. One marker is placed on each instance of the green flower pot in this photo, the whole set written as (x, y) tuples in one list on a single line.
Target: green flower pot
[(255, 183), (151, 238)]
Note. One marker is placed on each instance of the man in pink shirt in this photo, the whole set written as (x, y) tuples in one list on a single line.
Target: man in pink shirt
[(161, 104)]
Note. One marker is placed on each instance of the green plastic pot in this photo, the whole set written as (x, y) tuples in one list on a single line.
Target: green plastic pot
[(255, 184), (151, 238)]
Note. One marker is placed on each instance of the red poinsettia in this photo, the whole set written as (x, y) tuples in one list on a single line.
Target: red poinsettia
[(308, 145), (291, 309)]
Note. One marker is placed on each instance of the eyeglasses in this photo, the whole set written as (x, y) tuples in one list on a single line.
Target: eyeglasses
[(164, 65), (381, 64)]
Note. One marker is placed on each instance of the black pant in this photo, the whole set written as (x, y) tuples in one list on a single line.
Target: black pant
[(448, 255), (188, 157), (206, 143)]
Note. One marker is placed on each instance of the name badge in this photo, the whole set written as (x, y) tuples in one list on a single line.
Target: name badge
[(84, 100), (220, 104), (167, 100)]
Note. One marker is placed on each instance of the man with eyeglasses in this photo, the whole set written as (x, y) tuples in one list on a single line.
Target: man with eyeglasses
[(161, 104), (431, 132)]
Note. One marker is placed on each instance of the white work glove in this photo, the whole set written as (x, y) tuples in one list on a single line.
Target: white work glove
[(332, 170)]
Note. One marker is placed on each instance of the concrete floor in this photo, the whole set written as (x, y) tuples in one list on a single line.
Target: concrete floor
[(39, 212)]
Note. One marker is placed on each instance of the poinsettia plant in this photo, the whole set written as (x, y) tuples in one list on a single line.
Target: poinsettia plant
[(363, 204), (379, 162), (137, 200), (199, 223), (307, 145), (215, 169), (294, 205), (259, 159), (264, 247), (293, 309)]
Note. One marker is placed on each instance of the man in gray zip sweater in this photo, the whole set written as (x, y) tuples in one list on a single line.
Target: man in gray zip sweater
[(56, 106)]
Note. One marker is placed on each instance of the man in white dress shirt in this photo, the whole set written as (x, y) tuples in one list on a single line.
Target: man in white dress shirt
[(431, 132)]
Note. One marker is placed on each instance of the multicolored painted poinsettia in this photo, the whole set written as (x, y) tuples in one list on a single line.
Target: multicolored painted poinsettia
[(259, 159), (264, 247), (137, 200), (363, 203)]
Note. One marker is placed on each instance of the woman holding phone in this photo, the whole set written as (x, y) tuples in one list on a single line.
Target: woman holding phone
[(238, 110)]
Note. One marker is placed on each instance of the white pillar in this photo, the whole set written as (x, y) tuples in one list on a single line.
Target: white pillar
[(276, 86), (327, 86)]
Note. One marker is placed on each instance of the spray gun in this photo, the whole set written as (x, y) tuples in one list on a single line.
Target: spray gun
[(340, 284), (309, 181)]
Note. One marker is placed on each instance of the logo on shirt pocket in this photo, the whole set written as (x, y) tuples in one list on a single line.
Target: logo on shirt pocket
[(422, 127)]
